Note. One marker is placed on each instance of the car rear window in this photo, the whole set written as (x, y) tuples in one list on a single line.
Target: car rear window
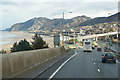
[(109, 55), (87, 43)]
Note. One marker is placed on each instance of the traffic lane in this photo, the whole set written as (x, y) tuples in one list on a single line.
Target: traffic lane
[(49, 72), (107, 70), (119, 70), (80, 66)]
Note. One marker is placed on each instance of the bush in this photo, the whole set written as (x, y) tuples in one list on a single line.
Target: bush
[(38, 42), (2, 52), (23, 45)]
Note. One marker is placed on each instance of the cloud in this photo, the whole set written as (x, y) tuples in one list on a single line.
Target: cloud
[(59, 0), (16, 11)]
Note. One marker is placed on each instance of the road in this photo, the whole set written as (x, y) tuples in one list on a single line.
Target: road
[(87, 65), (83, 65)]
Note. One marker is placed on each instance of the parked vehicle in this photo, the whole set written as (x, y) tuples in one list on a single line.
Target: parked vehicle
[(108, 57), (87, 46), (99, 49)]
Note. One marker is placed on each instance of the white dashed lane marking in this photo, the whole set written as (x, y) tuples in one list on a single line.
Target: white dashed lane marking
[(98, 70)]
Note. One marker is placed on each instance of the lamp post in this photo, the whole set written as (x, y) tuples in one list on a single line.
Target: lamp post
[(109, 38), (117, 41), (63, 28), (110, 43), (74, 36)]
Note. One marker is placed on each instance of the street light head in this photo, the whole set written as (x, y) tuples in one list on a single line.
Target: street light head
[(70, 12)]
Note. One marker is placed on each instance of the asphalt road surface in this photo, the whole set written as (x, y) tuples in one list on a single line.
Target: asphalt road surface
[(83, 65), (88, 65)]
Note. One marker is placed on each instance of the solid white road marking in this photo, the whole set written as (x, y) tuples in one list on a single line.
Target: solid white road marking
[(98, 70), (61, 66)]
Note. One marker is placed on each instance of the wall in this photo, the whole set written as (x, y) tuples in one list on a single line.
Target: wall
[(15, 63)]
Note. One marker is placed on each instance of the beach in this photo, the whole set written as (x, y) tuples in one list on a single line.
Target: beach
[(7, 42)]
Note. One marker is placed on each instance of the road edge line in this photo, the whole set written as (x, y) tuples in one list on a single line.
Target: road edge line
[(57, 70), (49, 67)]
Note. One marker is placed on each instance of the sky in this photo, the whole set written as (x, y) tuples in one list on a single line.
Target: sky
[(17, 11)]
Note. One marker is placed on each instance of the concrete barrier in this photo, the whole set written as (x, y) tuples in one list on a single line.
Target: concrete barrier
[(0, 67), (18, 62)]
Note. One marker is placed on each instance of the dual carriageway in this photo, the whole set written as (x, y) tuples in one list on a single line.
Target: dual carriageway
[(83, 65)]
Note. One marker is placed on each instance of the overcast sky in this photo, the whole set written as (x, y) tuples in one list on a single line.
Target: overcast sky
[(16, 11)]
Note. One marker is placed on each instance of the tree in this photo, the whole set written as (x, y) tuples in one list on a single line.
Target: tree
[(14, 48), (23, 45), (2, 51), (38, 42)]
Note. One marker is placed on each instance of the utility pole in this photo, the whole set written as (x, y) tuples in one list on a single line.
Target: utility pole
[(68, 33), (118, 40), (110, 41), (74, 36), (62, 30), (109, 38)]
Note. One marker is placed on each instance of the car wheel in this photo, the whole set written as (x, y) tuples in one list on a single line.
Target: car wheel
[(114, 61), (103, 61)]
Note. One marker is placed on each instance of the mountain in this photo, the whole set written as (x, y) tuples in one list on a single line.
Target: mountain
[(112, 18), (30, 25), (45, 23)]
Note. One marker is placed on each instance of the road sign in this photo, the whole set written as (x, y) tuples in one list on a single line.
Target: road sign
[(56, 39)]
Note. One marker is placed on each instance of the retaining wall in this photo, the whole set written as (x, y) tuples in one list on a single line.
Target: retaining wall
[(18, 62)]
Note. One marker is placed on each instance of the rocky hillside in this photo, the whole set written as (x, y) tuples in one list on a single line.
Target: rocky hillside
[(45, 23), (112, 18)]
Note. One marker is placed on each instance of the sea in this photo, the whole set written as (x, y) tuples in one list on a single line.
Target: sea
[(4, 37), (8, 38)]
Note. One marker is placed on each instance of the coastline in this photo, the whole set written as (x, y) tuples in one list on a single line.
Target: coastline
[(20, 36), (16, 38)]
